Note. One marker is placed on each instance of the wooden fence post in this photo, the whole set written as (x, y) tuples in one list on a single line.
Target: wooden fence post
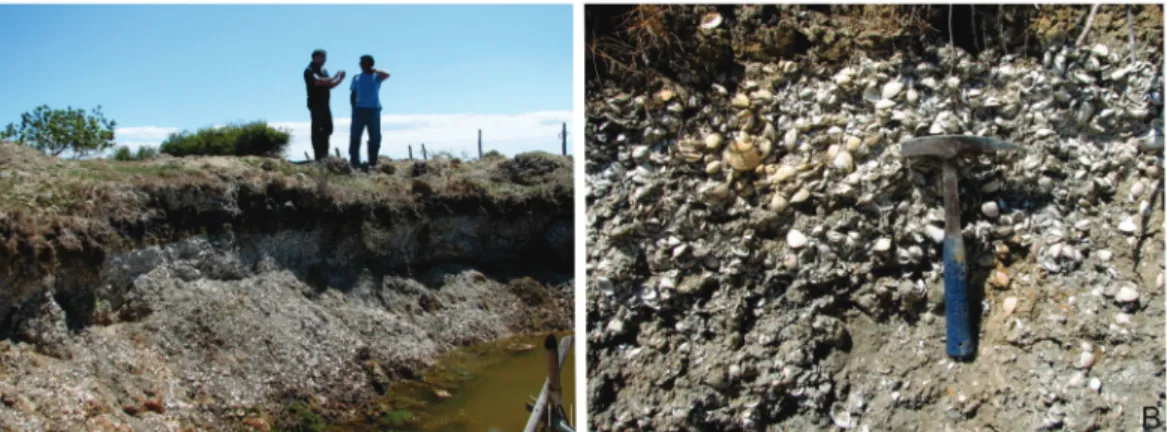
[(410, 151), (424, 155), (564, 135), (336, 151), (306, 157), (480, 143)]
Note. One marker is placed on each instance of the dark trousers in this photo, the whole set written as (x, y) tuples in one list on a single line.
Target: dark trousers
[(321, 130), (365, 118)]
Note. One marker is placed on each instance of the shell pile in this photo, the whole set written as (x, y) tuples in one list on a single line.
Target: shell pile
[(751, 244)]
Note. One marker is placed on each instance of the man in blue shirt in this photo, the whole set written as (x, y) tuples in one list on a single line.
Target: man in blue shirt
[(366, 111)]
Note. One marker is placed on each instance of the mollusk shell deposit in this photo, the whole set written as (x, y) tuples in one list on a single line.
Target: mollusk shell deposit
[(772, 257)]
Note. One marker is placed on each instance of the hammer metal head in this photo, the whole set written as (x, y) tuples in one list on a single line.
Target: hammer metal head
[(950, 146)]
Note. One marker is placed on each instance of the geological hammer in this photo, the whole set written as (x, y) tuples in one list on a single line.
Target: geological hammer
[(959, 342)]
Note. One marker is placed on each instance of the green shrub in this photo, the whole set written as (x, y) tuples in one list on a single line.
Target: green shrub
[(249, 139), (494, 154), (146, 153), (124, 153)]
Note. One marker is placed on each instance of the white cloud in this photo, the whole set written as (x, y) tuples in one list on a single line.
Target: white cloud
[(135, 137), (457, 134)]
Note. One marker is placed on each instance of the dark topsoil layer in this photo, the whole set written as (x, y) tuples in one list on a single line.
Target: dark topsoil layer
[(632, 46), (60, 214)]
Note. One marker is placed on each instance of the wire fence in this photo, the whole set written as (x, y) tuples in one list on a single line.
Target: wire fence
[(425, 155)]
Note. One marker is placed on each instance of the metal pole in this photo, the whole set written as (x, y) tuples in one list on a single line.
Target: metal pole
[(424, 156), (542, 404), (480, 143), (336, 151), (306, 157), (562, 426), (410, 151), (564, 135)]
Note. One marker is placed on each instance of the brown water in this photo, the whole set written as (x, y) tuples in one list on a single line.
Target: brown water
[(488, 386)]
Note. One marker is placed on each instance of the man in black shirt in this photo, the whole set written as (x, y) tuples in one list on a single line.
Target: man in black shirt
[(319, 86)]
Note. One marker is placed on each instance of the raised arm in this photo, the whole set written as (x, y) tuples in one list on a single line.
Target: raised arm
[(382, 75), (323, 81), (336, 80)]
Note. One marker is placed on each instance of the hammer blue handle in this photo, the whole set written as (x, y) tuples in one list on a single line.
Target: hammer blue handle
[(959, 342)]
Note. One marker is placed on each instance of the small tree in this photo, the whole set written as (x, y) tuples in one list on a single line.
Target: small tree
[(55, 131)]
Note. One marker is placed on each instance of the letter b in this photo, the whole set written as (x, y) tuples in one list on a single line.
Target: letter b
[(1151, 417)]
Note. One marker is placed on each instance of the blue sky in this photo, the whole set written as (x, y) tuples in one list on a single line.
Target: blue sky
[(158, 68)]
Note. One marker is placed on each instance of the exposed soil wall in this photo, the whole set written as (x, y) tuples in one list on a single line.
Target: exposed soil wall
[(213, 293)]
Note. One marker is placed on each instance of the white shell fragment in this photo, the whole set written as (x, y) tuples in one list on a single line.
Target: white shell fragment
[(1009, 305), (1127, 294), (710, 21), (778, 203), (892, 89), (1128, 225), (844, 162), (795, 239), (990, 209), (934, 232), (1085, 360)]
